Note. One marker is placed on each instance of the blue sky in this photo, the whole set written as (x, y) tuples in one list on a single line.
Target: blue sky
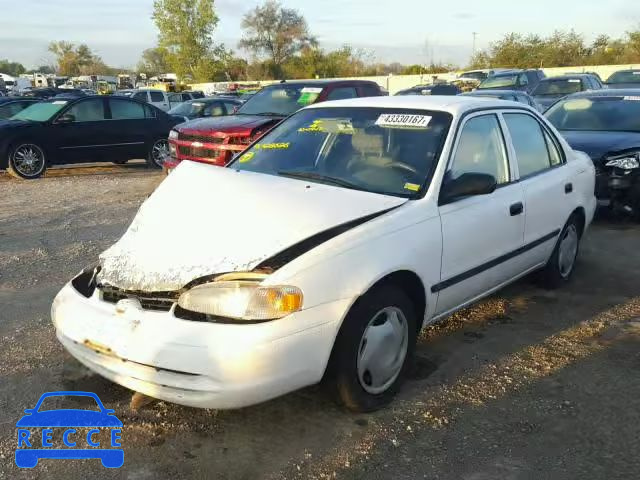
[(389, 30)]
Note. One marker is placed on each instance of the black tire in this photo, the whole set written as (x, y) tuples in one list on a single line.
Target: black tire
[(560, 267), (343, 377), (16, 166), (152, 159), (120, 162)]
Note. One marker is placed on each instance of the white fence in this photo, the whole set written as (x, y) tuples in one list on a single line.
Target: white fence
[(395, 83)]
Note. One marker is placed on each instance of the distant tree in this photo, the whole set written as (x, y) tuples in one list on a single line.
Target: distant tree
[(154, 61), (75, 60), (14, 69), (45, 70), (186, 29), (275, 32)]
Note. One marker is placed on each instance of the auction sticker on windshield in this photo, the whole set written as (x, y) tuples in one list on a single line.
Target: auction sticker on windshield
[(395, 120)]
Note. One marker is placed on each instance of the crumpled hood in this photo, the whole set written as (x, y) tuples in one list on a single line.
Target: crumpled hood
[(204, 220), (228, 124), (600, 144)]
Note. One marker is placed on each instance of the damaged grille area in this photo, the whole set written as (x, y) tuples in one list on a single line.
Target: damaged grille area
[(199, 138), (155, 301), (199, 152)]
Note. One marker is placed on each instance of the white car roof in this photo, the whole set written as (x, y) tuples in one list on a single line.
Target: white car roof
[(454, 104)]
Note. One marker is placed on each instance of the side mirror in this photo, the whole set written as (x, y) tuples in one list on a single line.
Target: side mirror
[(467, 185), (29, 411), (66, 118)]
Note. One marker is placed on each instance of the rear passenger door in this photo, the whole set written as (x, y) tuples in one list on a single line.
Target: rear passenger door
[(130, 128), (544, 179)]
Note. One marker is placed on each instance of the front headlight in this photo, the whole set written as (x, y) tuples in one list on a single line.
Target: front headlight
[(625, 163), (173, 135), (242, 300)]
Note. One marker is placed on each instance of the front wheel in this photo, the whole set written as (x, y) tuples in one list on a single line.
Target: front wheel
[(158, 153), (373, 350), (562, 263), (27, 161)]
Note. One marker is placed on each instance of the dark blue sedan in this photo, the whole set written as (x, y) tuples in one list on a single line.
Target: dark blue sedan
[(605, 124)]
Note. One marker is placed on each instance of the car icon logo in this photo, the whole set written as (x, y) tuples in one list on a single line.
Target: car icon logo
[(67, 426)]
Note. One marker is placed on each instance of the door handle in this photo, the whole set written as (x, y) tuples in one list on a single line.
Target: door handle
[(516, 209), (568, 188)]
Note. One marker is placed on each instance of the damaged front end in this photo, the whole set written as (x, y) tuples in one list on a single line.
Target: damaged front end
[(237, 297), (618, 183)]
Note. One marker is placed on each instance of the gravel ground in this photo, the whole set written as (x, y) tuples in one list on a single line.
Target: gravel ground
[(528, 384)]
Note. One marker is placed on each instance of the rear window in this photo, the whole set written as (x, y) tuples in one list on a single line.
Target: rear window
[(565, 86), (500, 82)]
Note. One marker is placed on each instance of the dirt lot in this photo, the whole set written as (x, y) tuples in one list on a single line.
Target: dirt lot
[(527, 385)]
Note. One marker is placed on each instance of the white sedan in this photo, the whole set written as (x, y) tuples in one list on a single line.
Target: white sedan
[(324, 249)]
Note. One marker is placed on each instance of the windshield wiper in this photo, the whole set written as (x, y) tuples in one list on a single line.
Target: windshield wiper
[(317, 176)]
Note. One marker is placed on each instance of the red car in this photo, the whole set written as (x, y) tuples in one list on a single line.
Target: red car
[(217, 140)]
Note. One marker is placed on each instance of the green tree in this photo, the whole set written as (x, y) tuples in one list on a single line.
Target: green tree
[(275, 32), (75, 60), (154, 61), (186, 29), (11, 68)]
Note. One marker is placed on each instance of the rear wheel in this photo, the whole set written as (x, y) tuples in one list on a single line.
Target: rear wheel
[(373, 350), (158, 153), (27, 161), (561, 265)]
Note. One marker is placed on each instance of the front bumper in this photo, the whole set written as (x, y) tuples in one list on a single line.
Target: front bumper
[(217, 153), (197, 364)]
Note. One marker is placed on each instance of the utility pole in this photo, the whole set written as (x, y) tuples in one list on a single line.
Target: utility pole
[(475, 35)]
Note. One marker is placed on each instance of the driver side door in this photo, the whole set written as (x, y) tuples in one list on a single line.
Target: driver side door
[(481, 234), (80, 131)]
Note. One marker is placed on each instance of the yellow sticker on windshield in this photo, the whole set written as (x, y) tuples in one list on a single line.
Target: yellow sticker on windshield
[(271, 146), (316, 126), (247, 157), (414, 187)]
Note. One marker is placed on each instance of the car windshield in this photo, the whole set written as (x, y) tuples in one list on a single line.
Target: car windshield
[(618, 114), (416, 91), (68, 402), (40, 112), (188, 108), (282, 100), (388, 151), (565, 86), (499, 81), (625, 77)]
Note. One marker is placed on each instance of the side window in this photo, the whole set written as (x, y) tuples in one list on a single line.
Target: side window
[(142, 96), (523, 80), (158, 97), (149, 111), (529, 143), (481, 149), (231, 107), (341, 93), (215, 110), (125, 110), (370, 90), (186, 97), (87, 110), (554, 150)]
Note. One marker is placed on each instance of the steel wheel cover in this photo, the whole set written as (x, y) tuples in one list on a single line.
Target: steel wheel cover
[(567, 251), (382, 351)]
